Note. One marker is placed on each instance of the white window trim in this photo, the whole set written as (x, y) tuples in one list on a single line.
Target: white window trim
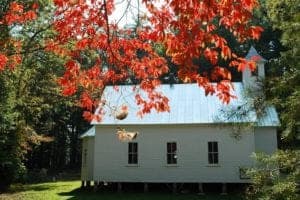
[(131, 153), (176, 153), (218, 154)]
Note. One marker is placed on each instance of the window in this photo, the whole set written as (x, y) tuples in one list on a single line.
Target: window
[(213, 153), (132, 153), (171, 153)]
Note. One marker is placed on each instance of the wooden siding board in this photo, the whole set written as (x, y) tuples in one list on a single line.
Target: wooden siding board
[(266, 139), (87, 168), (111, 164)]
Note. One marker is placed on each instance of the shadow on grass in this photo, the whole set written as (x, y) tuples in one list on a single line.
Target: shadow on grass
[(80, 194), (33, 187), (22, 188)]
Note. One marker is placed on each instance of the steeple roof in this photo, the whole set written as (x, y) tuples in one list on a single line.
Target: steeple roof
[(253, 55)]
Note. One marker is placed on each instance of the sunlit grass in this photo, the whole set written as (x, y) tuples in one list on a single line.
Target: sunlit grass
[(70, 190)]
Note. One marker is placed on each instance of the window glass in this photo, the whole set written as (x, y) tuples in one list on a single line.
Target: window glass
[(171, 153), (132, 153), (213, 153)]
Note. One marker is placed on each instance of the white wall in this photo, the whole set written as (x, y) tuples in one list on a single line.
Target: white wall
[(111, 154), (88, 167), (265, 139), (250, 80)]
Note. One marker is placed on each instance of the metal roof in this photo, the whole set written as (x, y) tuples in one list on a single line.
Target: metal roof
[(253, 53), (188, 105), (270, 118), (89, 133)]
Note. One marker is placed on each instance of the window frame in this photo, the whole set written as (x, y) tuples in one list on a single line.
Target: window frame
[(213, 153), (132, 154), (172, 156)]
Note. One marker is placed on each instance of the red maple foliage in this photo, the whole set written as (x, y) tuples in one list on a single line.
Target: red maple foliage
[(186, 29), (10, 48)]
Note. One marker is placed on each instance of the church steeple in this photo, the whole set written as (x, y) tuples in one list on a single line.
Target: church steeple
[(251, 78)]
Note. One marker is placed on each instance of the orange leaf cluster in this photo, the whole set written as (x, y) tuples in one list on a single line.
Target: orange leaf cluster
[(3, 61), (186, 28), (17, 14), (10, 48)]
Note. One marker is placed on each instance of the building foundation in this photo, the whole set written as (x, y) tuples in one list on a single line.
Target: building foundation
[(224, 189)]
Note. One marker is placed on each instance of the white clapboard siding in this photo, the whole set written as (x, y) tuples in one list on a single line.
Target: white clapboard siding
[(87, 164), (265, 139), (192, 166)]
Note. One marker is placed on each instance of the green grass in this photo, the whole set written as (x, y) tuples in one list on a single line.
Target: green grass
[(70, 190)]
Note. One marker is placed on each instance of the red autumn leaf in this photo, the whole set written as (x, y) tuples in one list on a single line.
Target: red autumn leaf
[(242, 66), (3, 61), (11, 47), (16, 7), (35, 6), (30, 15), (220, 73), (69, 90), (255, 32), (82, 44), (211, 56), (186, 29), (86, 101), (87, 115), (251, 65)]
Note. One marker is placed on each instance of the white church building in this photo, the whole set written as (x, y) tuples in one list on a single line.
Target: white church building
[(196, 142)]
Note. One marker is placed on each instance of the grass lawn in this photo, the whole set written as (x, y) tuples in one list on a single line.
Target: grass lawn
[(70, 190)]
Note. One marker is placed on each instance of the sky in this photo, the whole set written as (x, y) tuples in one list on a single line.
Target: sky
[(126, 11)]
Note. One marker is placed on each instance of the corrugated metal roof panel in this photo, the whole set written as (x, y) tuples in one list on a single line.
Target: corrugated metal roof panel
[(188, 104), (270, 118), (253, 53), (89, 133)]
